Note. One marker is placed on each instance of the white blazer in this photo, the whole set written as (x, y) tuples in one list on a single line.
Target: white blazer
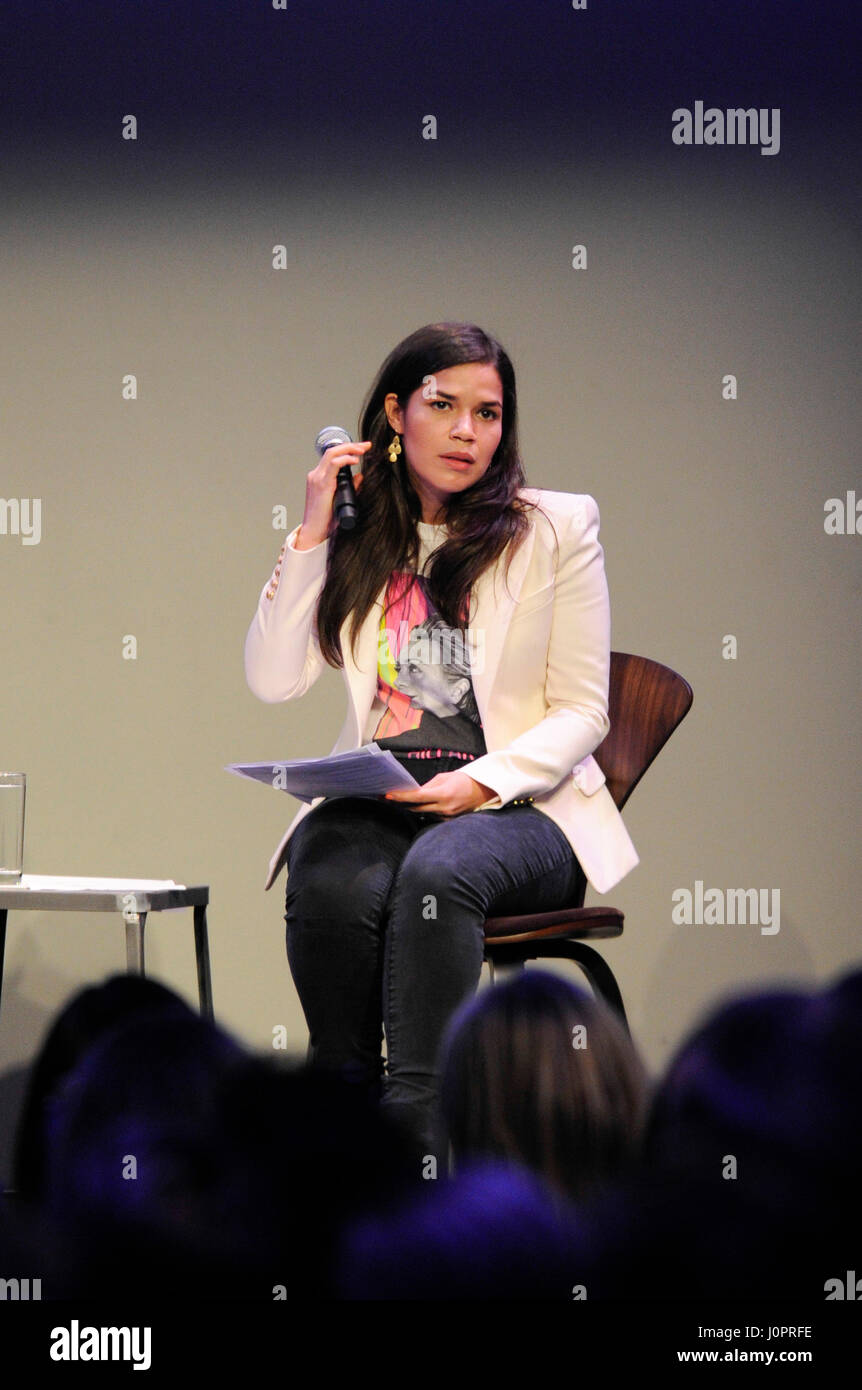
[(541, 679)]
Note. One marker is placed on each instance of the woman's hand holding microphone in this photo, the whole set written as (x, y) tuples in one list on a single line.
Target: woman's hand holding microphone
[(320, 492)]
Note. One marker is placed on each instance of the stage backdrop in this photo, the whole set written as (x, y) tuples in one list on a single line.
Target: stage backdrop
[(217, 224)]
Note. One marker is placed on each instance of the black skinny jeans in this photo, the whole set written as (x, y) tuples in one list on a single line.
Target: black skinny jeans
[(384, 909)]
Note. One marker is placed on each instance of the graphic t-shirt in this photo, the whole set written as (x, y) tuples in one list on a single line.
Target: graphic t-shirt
[(425, 709)]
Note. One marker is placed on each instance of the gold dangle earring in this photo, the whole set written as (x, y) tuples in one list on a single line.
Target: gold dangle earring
[(394, 448)]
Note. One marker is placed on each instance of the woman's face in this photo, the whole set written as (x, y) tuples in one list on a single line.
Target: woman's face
[(457, 411)]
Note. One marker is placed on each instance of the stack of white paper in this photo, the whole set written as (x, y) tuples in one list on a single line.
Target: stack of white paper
[(366, 771)]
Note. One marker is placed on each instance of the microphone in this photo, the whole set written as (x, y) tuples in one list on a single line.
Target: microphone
[(344, 502)]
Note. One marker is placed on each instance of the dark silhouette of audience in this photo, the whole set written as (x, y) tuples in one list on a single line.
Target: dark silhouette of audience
[(540, 1073), (156, 1157), (749, 1182), (152, 1142), (746, 1186), (91, 1014)]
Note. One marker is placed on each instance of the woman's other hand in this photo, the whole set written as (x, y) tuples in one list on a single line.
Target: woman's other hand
[(449, 793)]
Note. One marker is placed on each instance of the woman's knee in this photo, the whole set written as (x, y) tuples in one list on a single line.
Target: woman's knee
[(332, 869), (436, 870), (334, 891)]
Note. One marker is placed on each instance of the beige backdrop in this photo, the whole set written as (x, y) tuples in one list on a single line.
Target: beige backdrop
[(157, 522)]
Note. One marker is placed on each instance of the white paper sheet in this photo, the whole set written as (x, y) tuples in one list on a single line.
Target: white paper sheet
[(366, 771)]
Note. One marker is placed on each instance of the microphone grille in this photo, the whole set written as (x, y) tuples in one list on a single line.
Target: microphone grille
[(329, 435)]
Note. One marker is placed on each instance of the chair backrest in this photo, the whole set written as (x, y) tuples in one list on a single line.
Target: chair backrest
[(646, 702)]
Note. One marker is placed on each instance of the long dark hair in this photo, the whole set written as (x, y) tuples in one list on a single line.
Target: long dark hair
[(514, 1084), (482, 521)]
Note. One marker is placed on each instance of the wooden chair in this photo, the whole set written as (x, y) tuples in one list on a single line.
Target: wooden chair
[(646, 703)]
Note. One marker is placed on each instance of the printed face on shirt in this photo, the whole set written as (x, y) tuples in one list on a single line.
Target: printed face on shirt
[(458, 411), (425, 676)]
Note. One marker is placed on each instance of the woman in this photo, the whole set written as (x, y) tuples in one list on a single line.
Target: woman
[(386, 896)]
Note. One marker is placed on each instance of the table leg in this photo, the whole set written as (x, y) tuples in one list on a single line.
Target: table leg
[(202, 956), (135, 923), (3, 911)]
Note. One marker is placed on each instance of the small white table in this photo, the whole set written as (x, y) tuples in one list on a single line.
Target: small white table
[(132, 898)]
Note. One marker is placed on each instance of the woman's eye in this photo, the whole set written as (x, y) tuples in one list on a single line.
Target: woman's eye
[(488, 411)]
